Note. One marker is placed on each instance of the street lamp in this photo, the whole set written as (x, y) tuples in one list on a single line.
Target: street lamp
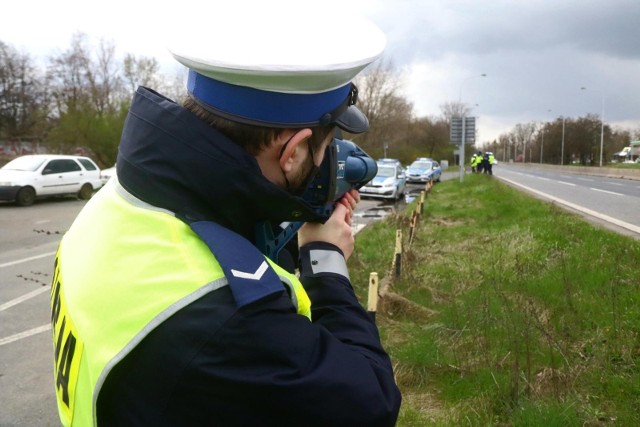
[(463, 114), (542, 142), (601, 122), (562, 149)]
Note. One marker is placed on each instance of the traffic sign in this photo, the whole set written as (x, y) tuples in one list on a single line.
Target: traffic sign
[(455, 132)]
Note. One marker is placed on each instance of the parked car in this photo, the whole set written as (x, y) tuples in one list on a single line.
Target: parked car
[(26, 178), (389, 182), (423, 170), (107, 173), (387, 160)]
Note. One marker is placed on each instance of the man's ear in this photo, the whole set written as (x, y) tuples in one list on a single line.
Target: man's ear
[(294, 149)]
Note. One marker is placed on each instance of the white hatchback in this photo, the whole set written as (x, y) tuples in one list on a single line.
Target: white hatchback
[(25, 178)]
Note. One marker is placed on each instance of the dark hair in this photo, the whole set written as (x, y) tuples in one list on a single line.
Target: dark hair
[(252, 138)]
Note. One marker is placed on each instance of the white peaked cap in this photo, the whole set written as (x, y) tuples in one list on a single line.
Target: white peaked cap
[(301, 50)]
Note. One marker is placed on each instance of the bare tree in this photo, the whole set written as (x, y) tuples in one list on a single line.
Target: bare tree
[(107, 85), (71, 76), (454, 109), (522, 135), (141, 71), (389, 112), (20, 94)]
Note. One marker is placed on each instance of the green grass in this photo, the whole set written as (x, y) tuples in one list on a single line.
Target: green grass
[(624, 165), (512, 311)]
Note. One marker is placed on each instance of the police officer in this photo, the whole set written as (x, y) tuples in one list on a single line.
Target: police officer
[(473, 162), (171, 316), (490, 160), (479, 163)]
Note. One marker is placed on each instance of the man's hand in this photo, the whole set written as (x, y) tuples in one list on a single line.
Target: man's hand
[(337, 229)]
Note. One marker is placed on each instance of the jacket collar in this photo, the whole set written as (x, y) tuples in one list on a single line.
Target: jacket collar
[(171, 159)]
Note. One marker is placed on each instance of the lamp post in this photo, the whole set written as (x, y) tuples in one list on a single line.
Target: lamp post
[(463, 114), (542, 142), (562, 146), (601, 121)]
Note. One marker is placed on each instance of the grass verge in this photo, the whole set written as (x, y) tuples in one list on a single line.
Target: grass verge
[(516, 312)]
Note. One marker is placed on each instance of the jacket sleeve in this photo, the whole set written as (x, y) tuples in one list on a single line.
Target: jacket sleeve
[(262, 364), (354, 351), (331, 371)]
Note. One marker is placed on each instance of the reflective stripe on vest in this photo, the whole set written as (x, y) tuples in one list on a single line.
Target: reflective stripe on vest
[(107, 297)]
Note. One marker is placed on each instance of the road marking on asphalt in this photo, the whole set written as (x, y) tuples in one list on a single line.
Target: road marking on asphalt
[(614, 183), (567, 183), (579, 208), (20, 261), (585, 179), (25, 334), (24, 297), (608, 192), (544, 179)]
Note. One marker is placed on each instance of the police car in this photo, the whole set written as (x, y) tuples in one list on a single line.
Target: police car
[(423, 170), (389, 182)]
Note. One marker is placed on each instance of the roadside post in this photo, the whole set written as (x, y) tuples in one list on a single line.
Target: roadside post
[(372, 301), (462, 131)]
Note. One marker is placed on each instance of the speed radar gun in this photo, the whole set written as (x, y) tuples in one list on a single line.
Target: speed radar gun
[(345, 167)]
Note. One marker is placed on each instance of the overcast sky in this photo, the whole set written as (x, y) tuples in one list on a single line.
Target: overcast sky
[(536, 54)]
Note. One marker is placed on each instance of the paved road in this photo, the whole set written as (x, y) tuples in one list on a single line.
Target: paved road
[(612, 202), (30, 237)]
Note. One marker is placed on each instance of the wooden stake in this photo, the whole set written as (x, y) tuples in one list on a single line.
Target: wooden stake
[(398, 254), (372, 301)]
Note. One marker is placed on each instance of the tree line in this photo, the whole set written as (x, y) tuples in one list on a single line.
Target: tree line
[(81, 96)]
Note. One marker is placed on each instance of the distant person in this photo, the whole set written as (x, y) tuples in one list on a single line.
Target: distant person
[(479, 164), (473, 163), (490, 160)]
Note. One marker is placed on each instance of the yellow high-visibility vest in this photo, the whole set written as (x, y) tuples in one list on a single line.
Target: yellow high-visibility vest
[(121, 270)]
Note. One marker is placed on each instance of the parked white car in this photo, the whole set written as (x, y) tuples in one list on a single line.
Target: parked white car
[(26, 178), (106, 174)]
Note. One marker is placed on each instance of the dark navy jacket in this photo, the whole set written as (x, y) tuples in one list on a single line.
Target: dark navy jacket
[(212, 363)]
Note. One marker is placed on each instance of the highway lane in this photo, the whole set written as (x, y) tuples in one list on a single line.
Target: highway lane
[(612, 202)]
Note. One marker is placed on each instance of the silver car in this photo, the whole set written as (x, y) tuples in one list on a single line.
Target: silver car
[(424, 170), (389, 183)]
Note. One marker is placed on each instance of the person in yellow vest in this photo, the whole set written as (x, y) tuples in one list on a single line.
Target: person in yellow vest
[(174, 315), (473, 162), (478, 162), (490, 161)]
